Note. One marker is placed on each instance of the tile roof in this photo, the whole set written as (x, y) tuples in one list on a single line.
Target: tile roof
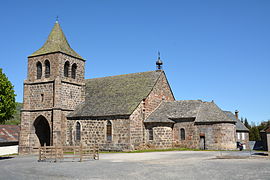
[(56, 42), (116, 95), (202, 112), (239, 125), (9, 133), (266, 130)]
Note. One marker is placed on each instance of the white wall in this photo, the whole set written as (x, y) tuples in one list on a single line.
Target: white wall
[(5, 150)]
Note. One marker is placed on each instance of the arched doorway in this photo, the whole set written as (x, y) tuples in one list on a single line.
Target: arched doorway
[(42, 129)]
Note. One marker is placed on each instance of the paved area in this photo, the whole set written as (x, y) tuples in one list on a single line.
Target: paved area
[(155, 165)]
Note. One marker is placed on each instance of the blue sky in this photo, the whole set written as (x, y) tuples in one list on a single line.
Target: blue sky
[(212, 50)]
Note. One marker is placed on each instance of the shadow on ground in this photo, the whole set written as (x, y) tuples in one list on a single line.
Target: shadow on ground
[(7, 157)]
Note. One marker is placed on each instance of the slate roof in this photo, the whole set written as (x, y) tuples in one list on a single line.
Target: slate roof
[(116, 95), (239, 125), (9, 133), (202, 112), (56, 42)]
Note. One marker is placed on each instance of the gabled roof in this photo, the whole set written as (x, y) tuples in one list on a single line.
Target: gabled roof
[(116, 95), (239, 125), (56, 42), (266, 130), (202, 112), (9, 133), (174, 110)]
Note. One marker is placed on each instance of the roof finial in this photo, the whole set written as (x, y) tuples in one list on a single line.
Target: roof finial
[(159, 62), (57, 18)]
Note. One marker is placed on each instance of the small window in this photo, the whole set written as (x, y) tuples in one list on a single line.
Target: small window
[(109, 131), (73, 71), (66, 69), (182, 134), (78, 131), (151, 134), (47, 69), (71, 94), (42, 97), (39, 70), (243, 136)]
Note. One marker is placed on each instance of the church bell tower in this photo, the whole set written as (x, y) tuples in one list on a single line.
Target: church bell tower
[(53, 88)]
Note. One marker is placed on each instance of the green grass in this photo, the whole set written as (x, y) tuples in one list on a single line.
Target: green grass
[(9, 155)]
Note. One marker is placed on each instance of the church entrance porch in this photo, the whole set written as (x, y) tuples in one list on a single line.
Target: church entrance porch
[(42, 130)]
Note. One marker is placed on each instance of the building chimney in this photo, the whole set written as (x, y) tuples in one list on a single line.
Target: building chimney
[(236, 114)]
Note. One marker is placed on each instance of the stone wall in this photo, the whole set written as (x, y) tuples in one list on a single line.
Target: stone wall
[(79, 72), (162, 135), (71, 95), (218, 136), (38, 96), (94, 131), (137, 127), (160, 92), (191, 135), (28, 137), (57, 61), (52, 97)]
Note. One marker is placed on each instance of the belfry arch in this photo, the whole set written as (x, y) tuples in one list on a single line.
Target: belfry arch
[(42, 130)]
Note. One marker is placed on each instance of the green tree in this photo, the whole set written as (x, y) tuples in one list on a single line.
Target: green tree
[(247, 124), (264, 125), (242, 119), (16, 117), (7, 98)]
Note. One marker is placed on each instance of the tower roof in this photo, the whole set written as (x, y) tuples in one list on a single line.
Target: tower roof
[(56, 42)]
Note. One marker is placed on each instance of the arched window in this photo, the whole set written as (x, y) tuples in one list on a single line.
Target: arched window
[(73, 71), (39, 70), (182, 134), (47, 69), (109, 131), (151, 134), (78, 131), (66, 69)]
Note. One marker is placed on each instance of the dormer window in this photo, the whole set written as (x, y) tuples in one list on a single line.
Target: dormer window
[(66, 69), (47, 69), (73, 71), (39, 70)]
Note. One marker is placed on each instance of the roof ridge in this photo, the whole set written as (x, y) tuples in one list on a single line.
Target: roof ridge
[(162, 102), (121, 75), (189, 100)]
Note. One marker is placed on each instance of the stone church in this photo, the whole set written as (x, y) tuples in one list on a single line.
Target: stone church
[(124, 112)]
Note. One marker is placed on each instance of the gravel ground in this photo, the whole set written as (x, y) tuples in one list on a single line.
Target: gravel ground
[(153, 165)]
